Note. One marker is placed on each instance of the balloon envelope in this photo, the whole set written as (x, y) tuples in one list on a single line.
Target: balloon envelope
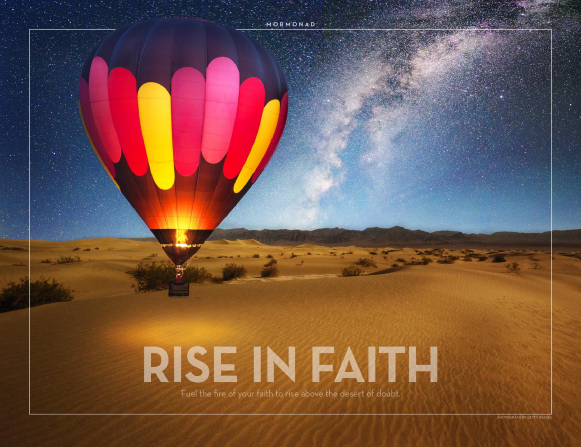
[(184, 116)]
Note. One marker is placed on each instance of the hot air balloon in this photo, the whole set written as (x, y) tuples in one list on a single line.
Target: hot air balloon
[(184, 115)]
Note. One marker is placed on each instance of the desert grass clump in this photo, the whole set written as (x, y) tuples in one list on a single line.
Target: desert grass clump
[(269, 256), (395, 265), (536, 266), (20, 264), (76, 249), (42, 291), (155, 276), (447, 259), (366, 262), (256, 255), (498, 258), (195, 274), (512, 267), (293, 255), (423, 261), (271, 263), (152, 277), (87, 249), (46, 261), (352, 270), (269, 272), (400, 260), (233, 271), (216, 279), (67, 259), (13, 248), (482, 258)]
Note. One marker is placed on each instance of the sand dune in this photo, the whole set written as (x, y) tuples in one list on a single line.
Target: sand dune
[(492, 329)]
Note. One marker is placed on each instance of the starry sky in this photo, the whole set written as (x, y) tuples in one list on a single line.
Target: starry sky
[(430, 130)]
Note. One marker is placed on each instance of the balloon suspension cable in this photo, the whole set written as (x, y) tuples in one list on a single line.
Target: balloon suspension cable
[(179, 273)]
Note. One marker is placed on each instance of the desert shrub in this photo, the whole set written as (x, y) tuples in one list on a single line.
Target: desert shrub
[(309, 253), (256, 256), (536, 266), (46, 261), (467, 258), (20, 264), (76, 249), (196, 274), (232, 271), (373, 253), (352, 270), (269, 272), (366, 262), (96, 248), (422, 261), (13, 248), (395, 265), (271, 263), (87, 249), (152, 277), (217, 279), (155, 276), (300, 264), (293, 255), (208, 257), (42, 291), (400, 260), (512, 267), (269, 256), (447, 259), (349, 252), (498, 258), (482, 258), (67, 259)]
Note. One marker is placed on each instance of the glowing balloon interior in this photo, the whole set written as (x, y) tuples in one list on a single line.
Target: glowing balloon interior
[(184, 116)]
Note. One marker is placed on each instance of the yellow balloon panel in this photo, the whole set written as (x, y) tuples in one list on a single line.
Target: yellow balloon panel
[(264, 136), (155, 116)]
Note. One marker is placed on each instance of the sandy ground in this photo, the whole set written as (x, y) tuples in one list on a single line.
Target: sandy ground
[(492, 329)]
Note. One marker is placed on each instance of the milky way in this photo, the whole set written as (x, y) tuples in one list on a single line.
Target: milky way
[(424, 129)]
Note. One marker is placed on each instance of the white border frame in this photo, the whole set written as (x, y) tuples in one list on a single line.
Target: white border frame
[(294, 414)]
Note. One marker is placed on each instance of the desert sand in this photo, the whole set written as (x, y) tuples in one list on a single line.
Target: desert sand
[(492, 329)]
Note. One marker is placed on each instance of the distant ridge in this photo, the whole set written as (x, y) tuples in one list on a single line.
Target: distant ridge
[(569, 240), (399, 237)]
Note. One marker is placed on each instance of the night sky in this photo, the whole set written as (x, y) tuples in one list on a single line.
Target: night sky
[(429, 130)]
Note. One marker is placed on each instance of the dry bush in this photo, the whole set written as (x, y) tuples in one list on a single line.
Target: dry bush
[(233, 271), (271, 263), (42, 291), (352, 270), (366, 262), (155, 276), (512, 267), (269, 272), (67, 259)]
